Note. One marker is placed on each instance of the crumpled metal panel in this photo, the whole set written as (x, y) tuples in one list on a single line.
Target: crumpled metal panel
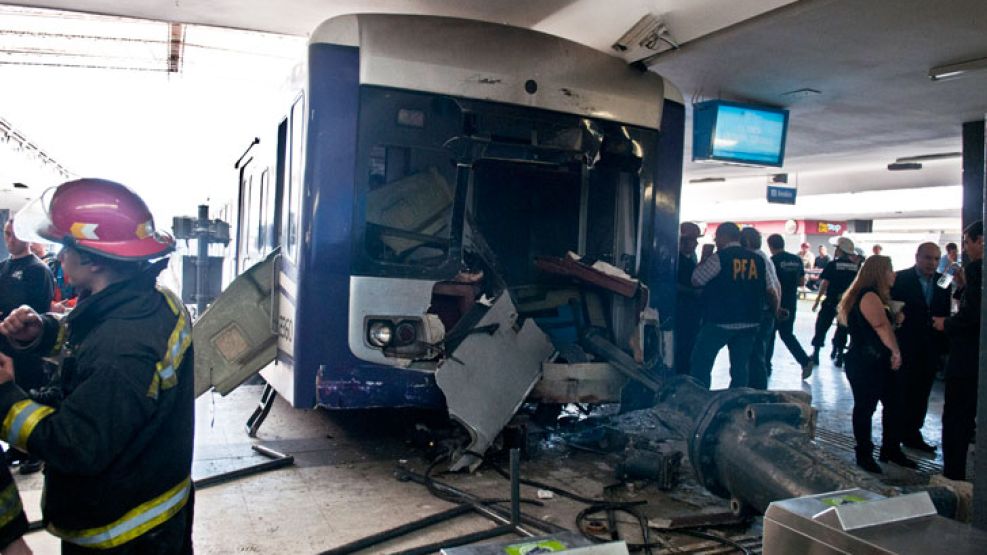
[(234, 338), (490, 375)]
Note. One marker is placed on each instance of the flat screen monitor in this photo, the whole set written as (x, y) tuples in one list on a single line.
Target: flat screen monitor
[(738, 133)]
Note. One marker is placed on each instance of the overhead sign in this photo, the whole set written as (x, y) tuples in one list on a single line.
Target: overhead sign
[(781, 195), (779, 191)]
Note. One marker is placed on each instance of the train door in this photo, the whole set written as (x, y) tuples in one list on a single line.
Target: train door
[(284, 215)]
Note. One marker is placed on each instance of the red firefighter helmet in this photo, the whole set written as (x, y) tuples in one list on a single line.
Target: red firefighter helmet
[(97, 216)]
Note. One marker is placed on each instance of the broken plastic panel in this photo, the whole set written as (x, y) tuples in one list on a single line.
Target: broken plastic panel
[(234, 339)]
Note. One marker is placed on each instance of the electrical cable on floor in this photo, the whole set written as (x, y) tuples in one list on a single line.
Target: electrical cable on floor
[(430, 484), (594, 506), (624, 506), (713, 537), (646, 545)]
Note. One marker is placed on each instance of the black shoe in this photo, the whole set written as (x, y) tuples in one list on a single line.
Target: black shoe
[(865, 460), (897, 457), (30, 467), (839, 360), (869, 464), (834, 353), (919, 445)]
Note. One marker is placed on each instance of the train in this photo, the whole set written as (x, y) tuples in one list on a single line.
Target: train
[(451, 206)]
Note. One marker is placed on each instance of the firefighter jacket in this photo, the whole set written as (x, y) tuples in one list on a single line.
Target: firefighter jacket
[(118, 447)]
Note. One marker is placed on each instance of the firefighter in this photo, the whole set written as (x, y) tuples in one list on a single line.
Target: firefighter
[(117, 445)]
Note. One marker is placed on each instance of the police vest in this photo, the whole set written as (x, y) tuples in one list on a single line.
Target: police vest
[(737, 294)]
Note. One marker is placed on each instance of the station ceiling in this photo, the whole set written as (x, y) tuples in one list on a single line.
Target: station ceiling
[(868, 60)]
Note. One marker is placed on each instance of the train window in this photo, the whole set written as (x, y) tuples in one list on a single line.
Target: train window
[(294, 182), (262, 215), (268, 213), (247, 225), (409, 204)]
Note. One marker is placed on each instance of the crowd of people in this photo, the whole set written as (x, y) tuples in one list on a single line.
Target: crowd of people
[(895, 331)]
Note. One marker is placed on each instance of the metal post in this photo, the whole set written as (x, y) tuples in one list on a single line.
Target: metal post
[(515, 487), (202, 258)]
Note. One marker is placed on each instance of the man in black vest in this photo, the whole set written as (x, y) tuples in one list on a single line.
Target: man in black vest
[(736, 286), (920, 344), (835, 278), (959, 411), (688, 309), (791, 275)]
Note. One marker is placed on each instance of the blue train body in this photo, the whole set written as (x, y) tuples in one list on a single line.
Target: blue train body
[(375, 116)]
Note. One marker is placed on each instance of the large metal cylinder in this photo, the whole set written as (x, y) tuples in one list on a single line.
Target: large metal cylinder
[(753, 446)]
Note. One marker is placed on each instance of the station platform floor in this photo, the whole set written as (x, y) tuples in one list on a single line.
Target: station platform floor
[(341, 487)]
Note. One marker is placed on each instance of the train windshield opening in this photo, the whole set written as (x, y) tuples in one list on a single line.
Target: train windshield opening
[(409, 205), (522, 211)]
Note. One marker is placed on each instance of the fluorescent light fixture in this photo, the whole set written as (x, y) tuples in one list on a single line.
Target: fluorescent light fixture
[(949, 71), (930, 157), (802, 93), (899, 166), (708, 180)]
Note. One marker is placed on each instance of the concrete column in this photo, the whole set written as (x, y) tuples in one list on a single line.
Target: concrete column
[(974, 186), (973, 172)]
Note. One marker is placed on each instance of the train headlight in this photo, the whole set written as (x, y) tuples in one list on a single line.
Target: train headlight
[(380, 333), (406, 333)]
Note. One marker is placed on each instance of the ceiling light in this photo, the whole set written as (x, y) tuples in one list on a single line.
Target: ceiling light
[(708, 180), (802, 93), (931, 157), (940, 73), (898, 166)]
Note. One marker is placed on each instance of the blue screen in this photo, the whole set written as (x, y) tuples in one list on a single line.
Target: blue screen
[(749, 134)]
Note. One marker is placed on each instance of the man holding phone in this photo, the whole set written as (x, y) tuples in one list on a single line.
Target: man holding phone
[(959, 411)]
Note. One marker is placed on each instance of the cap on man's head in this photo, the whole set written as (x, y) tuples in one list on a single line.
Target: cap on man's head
[(689, 229), (806, 245), (845, 245)]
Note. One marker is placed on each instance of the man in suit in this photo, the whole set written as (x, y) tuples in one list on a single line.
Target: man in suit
[(920, 343), (959, 411)]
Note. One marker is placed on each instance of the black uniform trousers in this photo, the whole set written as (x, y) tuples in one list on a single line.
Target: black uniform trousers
[(958, 424), (757, 366), (687, 326), (827, 313), (786, 331)]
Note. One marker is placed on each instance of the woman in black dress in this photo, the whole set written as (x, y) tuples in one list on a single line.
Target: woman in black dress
[(872, 361)]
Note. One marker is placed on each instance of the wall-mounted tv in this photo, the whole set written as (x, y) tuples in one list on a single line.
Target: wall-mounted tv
[(733, 132)]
